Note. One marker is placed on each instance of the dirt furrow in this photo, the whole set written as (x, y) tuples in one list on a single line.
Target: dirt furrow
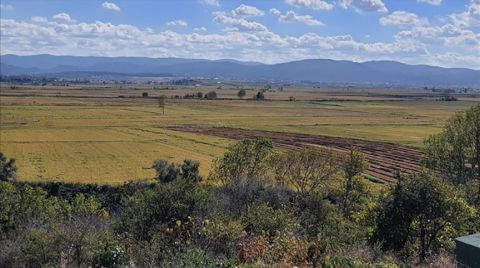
[(384, 158)]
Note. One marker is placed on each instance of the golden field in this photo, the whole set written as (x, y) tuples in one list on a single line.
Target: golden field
[(88, 134)]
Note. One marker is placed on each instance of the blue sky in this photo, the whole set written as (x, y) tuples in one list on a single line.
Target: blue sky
[(437, 32)]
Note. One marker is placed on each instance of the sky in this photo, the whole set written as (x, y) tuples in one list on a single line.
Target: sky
[(435, 32)]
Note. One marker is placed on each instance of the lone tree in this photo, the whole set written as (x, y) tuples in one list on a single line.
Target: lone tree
[(259, 96), (8, 168), (211, 95), (421, 211), (199, 95), (161, 103), (307, 171), (241, 93), (245, 159)]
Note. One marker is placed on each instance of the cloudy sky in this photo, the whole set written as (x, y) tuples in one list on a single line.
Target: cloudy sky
[(437, 32)]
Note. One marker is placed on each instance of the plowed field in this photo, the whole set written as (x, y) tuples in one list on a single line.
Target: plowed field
[(384, 158)]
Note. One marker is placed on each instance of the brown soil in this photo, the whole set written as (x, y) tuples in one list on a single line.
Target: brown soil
[(384, 158)]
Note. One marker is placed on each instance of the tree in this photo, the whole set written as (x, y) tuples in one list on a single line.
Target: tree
[(353, 165), (161, 103), (455, 152), (241, 93), (166, 172), (245, 159), (190, 170), (169, 172), (259, 96), (211, 95), (79, 232), (472, 118), (149, 212), (8, 168), (199, 95), (423, 211), (307, 171)]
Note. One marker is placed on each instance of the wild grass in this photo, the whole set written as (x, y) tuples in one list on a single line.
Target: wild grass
[(112, 140)]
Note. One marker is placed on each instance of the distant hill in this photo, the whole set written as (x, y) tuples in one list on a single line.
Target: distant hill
[(314, 70)]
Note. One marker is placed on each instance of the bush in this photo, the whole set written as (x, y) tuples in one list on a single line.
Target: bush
[(211, 95), (221, 237), (241, 194), (282, 250), (245, 159), (110, 254), (195, 257), (166, 172), (259, 96), (150, 211), (241, 93), (421, 212), (8, 168), (261, 218), (189, 170)]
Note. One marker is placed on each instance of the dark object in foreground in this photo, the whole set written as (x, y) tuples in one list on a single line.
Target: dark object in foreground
[(467, 251)]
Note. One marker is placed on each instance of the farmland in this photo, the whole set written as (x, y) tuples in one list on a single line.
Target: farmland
[(90, 134)]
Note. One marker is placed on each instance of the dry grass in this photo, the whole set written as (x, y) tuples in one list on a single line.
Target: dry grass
[(111, 140)]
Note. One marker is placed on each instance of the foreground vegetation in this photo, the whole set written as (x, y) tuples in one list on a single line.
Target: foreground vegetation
[(258, 207)]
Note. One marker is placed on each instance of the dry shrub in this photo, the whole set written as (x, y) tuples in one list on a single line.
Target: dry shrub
[(252, 248), (289, 250), (442, 260), (282, 250)]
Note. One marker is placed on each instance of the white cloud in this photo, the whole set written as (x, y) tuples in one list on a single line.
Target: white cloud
[(453, 59), (210, 2), (110, 6), (238, 22), (63, 17), (291, 16), (275, 11), (247, 11), (364, 5), (177, 23), (470, 18), (122, 40), (6, 7), (312, 4), (452, 43), (459, 33), (39, 19), (403, 18), (431, 2), (447, 35), (200, 29)]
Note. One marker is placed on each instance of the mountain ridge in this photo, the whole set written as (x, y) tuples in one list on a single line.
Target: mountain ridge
[(314, 70)]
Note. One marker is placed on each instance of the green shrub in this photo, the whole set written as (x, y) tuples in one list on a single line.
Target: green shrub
[(110, 254), (261, 218), (153, 210)]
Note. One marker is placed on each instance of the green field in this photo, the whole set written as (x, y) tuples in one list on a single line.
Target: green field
[(112, 140)]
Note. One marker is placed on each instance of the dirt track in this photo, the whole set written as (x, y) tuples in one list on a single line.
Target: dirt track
[(384, 158)]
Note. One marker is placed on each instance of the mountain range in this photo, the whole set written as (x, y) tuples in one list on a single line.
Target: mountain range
[(314, 70)]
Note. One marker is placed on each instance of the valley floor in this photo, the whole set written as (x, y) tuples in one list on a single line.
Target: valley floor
[(92, 135)]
